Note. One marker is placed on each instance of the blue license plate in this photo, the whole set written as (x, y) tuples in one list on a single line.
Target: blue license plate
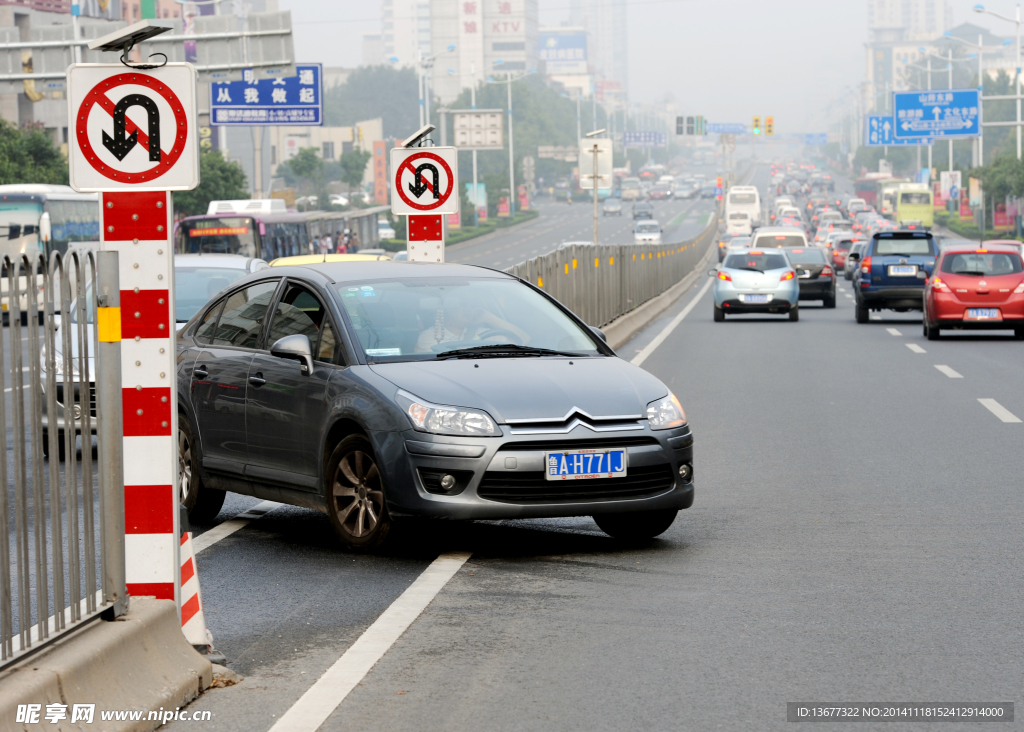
[(585, 464), (903, 270), (982, 313), (755, 298)]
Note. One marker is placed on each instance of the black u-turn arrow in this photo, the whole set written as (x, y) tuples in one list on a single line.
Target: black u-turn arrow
[(119, 145), (419, 186)]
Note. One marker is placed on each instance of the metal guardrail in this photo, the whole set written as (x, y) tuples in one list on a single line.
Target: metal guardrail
[(601, 283), (62, 553)]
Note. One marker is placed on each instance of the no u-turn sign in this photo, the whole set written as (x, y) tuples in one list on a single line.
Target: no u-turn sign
[(132, 130), (424, 180)]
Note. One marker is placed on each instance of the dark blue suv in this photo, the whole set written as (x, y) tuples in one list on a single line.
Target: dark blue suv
[(891, 272)]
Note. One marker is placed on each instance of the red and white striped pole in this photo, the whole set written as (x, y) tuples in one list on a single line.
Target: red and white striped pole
[(138, 227)]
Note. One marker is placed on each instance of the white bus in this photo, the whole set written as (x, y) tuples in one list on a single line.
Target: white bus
[(744, 199)]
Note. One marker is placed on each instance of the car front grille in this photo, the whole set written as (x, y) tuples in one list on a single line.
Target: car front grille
[(76, 400), (531, 487), (596, 443)]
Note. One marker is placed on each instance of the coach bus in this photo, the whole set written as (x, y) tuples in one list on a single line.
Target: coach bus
[(267, 236)]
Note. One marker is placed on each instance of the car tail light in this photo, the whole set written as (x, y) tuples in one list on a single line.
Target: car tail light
[(1020, 289), (826, 271), (865, 265), (940, 286), (725, 276), (787, 276)]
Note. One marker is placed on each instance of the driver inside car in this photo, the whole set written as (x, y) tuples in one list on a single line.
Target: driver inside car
[(461, 320)]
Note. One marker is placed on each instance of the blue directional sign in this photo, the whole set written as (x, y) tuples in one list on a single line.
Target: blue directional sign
[(878, 131), (816, 139), (644, 139), (727, 128), (947, 113), (295, 100)]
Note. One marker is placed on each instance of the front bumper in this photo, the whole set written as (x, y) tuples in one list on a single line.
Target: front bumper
[(500, 478)]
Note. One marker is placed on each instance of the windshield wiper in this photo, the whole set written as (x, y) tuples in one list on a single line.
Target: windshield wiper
[(971, 272), (749, 269), (500, 350)]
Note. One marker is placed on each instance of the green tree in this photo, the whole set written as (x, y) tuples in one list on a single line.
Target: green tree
[(219, 180), (376, 91), (29, 156), (307, 173), (353, 166)]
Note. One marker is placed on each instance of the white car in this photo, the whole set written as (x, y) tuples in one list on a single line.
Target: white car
[(647, 232)]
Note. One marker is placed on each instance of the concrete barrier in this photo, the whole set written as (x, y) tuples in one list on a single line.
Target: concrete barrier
[(141, 662)]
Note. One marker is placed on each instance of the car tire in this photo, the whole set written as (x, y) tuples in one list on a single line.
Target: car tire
[(848, 276), (719, 315), (636, 526), (61, 447), (202, 503), (1019, 333), (354, 489), (794, 314), (829, 301), (931, 331), (862, 313)]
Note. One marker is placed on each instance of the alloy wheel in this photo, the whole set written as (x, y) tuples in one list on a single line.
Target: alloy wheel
[(184, 467), (356, 491)]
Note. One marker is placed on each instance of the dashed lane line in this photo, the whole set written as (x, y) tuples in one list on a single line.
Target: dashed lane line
[(893, 331), (323, 697), (999, 410), (948, 371), (915, 348), (667, 331), (226, 529)]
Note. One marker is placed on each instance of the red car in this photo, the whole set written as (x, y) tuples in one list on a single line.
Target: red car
[(840, 248), (976, 289)]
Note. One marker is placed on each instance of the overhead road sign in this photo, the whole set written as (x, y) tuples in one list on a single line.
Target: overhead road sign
[(949, 113), (133, 130), (296, 100), (565, 153), (479, 129), (726, 128), (878, 132), (817, 138), (423, 180), (644, 139)]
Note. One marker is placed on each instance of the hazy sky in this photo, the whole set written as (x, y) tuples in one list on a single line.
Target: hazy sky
[(726, 59)]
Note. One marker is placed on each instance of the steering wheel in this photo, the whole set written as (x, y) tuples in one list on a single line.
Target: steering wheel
[(492, 332)]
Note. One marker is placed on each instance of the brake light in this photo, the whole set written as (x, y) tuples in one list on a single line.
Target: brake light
[(787, 276), (826, 271), (865, 265), (724, 276), (721, 245), (981, 251), (940, 286), (780, 238), (1020, 289)]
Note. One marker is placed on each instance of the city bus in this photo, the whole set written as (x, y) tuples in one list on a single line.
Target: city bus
[(867, 188), (267, 236), (631, 190), (44, 218), (914, 205), (886, 196)]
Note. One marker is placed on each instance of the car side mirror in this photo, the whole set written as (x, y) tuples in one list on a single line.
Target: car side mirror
[(297, 348), (712, 273), (599, 333), (855, 257)]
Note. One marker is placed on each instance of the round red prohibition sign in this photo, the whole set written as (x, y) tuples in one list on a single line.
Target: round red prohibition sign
[(98, 96), (408, 166)]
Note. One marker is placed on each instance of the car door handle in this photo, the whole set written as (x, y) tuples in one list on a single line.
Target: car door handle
[(200, 372), (257, 380)]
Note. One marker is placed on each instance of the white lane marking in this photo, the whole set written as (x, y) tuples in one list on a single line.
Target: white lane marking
[(893, 331), (999, 410), (915, 348), (667, 331), (226, 529), (948, 371), (330, 690)]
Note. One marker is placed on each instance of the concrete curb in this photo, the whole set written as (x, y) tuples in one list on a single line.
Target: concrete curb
[(141, 661), (620, 330)]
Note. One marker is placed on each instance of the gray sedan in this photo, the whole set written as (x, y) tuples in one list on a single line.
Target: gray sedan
[(375, 391)]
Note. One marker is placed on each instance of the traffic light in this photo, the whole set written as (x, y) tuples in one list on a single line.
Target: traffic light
[(680, 125), (690, 130), (769, 126), (757, 126)]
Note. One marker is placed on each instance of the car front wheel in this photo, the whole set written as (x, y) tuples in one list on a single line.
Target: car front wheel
[(636, 526), (202, 503), (355, 495)]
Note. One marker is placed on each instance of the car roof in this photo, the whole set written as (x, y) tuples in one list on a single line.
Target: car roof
[(779, 230), (972, 247), (350, 271), (221, 261), (302, 259)]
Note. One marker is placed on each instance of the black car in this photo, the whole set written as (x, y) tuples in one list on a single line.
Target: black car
[(815, 274), (643, 210), (373, 391)]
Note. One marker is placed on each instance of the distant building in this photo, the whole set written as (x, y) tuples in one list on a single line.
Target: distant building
[(606, 23), (373, 49), (405, 31)]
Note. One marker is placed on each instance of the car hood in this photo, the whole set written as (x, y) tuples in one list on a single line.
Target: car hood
[(530, 388)]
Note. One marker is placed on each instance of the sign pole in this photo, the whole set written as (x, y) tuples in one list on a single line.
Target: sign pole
[(593, 180)]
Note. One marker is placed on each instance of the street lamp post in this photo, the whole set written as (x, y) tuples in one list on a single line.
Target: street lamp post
[(594, 177), (509, 78), (1016, 78)]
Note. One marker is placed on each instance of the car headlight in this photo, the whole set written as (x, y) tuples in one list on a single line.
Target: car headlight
[(58, 363), (441, 420), (665, 413)]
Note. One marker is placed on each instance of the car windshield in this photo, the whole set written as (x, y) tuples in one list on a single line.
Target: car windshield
[(806, 256), (760, 261), (915, 199), (989, 264), (424, 318), (195, 286), (844, 245), (922, 245), (651, 228), (780, 240)]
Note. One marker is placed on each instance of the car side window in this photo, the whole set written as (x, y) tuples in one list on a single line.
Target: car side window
[(204, 333), (245, 312), (328, 344), (299, 312)]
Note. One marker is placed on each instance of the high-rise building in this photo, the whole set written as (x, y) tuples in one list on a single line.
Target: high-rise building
[(909, 20), (405, 31), (490, 37), (606, 24)]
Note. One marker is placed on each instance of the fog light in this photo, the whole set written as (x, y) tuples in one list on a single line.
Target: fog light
[(685, 472), (447, 482)]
